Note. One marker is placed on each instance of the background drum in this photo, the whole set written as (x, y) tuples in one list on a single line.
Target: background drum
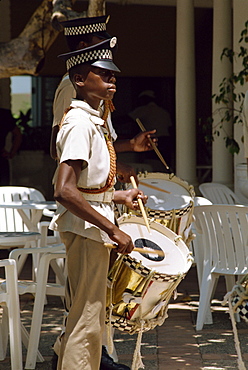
[(170, 201), (141, 285)]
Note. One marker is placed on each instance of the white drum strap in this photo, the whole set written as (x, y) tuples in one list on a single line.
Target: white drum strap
[(137, 362), (172, 223), (137, 359), (190, 216), (228, 298)]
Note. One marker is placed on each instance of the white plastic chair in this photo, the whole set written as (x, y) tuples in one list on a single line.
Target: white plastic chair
[(9, 299), (40, 288), (26, 239), (197, 247), (198, 252), (12, 221), (224, 231), (218, 193)]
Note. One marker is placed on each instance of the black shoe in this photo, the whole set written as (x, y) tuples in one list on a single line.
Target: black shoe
[(107, 363), (54, 361)]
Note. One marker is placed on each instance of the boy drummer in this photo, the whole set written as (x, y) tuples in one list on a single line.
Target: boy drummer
[(85, 217)]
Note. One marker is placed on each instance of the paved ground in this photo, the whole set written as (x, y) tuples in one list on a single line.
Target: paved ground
[(173, 346)]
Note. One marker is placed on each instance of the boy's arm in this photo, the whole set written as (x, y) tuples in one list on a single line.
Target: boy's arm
[(69, 196), (129, 198)]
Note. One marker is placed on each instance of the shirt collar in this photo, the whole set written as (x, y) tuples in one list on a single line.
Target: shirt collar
[(85, 106), (95, 114)]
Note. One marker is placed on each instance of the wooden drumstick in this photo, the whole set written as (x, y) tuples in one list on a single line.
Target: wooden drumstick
[(153, 187), (141, 126), (140, 250), (133, 182)]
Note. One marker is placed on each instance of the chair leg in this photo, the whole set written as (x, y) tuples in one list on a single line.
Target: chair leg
[(205, 296), (4, 333), (25, 339), (14, 318), (37, 312)]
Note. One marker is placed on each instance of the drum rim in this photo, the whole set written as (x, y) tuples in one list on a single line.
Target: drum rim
[(171, 177), (175, 238), (125, 218), (167, 213)]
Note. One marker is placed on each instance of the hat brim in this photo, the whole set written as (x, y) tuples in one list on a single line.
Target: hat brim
[(102, 35), (106, 64)]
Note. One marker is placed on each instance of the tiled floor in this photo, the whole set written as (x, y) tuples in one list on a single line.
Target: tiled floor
[(173, 346)]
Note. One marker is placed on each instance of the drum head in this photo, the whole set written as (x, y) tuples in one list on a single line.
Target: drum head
[(174, 193), (175, 260)]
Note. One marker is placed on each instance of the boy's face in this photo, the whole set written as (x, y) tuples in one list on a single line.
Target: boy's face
[(99, 83)]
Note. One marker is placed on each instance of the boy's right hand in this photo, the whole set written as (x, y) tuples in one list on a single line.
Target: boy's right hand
[(123, 241)]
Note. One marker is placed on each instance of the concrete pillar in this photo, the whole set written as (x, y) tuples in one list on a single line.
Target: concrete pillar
[(185, 93), (222, 37), (240, 16), (5, 100)]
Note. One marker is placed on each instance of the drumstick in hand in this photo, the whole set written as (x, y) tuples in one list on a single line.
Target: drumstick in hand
[(152, 144), (140, 250), (133, 182)]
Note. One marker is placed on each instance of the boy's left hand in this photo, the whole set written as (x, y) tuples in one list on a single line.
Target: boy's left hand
[(130, 198)]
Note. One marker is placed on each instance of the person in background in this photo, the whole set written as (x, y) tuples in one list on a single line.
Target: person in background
[(8, 125), (153, 116), (81, 33)]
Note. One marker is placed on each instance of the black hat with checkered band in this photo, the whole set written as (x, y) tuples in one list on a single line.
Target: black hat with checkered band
[(98, 55), (75, 29)]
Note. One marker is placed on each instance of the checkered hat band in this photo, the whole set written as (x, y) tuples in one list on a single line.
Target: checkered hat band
[(88, 28), (89, 56)]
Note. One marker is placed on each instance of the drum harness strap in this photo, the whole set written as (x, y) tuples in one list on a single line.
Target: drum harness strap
[(108, 107)]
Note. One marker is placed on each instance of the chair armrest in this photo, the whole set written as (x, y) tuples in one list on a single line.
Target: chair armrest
[(15, 253)]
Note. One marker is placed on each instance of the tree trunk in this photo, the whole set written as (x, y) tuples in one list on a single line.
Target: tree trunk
[(62, 11), (96, 8), (25, 54)]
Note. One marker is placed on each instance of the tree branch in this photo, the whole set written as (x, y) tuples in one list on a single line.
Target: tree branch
[(62, 11), (25, 54), (96, 8)]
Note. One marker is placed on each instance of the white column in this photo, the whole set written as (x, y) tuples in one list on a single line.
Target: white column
[(185, 93), (240, 16), (4, 37), (222, 37)]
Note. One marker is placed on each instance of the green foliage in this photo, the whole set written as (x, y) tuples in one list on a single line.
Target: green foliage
[(23, 121), (33, 138), (227, 96)]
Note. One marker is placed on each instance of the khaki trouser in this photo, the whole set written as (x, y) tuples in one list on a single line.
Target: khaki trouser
[(87, 265)]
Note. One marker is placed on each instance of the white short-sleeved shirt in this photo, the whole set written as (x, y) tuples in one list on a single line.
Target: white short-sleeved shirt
[(64, 94), (81, 137)]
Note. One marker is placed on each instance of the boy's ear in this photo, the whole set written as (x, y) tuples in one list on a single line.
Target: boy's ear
[(82, 45), (78, 79)]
